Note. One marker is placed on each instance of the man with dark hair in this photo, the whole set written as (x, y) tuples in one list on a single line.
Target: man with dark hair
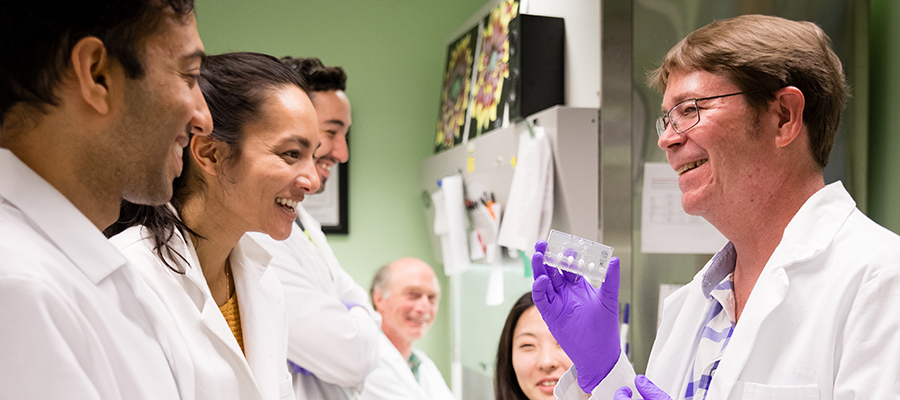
[(97, 99), (333, 335), (326, 90), (800, 302)]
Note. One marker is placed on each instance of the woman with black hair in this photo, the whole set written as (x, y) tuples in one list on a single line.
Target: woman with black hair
[(529, 361), (215, 289)]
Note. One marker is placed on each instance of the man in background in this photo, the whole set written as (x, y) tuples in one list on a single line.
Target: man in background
[(333, 330), (406, 294), (97, 99)]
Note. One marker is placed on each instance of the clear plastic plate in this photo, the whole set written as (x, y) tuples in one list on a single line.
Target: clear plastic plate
[(574, 254)]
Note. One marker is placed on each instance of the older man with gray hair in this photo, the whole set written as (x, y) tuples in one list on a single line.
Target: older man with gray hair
[(406, 293)]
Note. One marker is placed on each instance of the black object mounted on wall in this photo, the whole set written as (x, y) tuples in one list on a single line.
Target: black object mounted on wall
[(516, 63), (536, 66)]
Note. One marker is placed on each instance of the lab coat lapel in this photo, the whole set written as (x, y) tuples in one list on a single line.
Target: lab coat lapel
[(174, 347), (809, 233), (318, 241), (401, 368), (194, 283), (259, 314), (768, 293), (687, 324), (198, 290)]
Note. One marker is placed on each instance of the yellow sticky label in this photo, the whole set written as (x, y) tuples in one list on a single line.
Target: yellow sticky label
[(512, 161), (470, 162)]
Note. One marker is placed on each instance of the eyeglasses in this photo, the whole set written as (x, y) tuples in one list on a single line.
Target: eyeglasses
[(685, 115)]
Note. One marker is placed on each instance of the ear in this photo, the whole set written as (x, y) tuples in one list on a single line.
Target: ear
[(377, 299), (788, 105), (95, 72), (206, 153)]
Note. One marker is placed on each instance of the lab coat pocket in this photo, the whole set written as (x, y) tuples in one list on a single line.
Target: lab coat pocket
[(286, 388), (758, 391)]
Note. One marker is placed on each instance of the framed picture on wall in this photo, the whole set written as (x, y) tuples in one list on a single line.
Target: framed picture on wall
[(330, 205), (456, 91)]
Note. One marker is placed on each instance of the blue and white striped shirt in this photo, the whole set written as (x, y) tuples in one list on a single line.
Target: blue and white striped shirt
[(718, 287)]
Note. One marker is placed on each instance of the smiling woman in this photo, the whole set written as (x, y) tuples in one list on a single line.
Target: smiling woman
[(214, 289), (529, 361)]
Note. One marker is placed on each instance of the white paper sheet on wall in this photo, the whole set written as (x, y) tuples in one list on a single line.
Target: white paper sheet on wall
[(529, 208), (665, 227), (454, 244), (494, 294), (664, 291)]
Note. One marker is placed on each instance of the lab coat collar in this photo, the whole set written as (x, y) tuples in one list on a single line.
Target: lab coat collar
[(198, 290), (318, 240), (57, 218), (809, 233), (400, 365), (814, 226), (307, 219), (253, 258), (249, 262), (261, 313), (248, 259), (194, 283)]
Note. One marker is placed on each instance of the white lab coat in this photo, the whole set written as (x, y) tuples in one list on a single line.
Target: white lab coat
[(393, 379), (75, 321), (221, 370), (338, 345), (821, 322)]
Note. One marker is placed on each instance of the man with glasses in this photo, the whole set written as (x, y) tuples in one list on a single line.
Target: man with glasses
[(800, 303)]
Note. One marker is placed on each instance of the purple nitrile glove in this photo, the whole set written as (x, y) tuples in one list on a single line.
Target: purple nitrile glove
[(298, 369), (647, 389), (584, 320)]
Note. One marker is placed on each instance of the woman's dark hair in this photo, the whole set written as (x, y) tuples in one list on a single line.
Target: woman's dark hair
[(319, 77), (506, 386), (235, 86)]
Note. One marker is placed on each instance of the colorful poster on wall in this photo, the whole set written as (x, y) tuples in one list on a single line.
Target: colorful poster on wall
[(492, 69), (456, 90)]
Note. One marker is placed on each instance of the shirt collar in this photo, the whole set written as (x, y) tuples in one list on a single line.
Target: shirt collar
[(414, 363), (57, 218), (721, 265)]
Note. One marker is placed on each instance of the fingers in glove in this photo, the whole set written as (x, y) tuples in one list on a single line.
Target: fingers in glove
[(543, 294), (570, 277), (609, 290), (556, 278), (648, 390), (624, 393), (538, 268)]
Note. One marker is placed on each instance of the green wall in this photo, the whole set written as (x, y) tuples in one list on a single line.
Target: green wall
[(884, 114), (393, 52)]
